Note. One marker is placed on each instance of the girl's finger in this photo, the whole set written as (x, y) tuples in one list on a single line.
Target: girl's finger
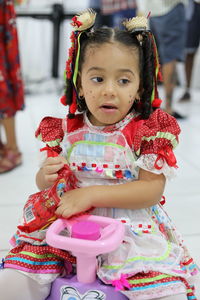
[(51, 169), (54, 160), (51, 178)]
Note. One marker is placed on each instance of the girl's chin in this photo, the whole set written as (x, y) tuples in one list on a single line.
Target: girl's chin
[(105, 120)]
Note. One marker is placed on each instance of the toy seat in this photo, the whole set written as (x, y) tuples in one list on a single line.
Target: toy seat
[(89, 237)]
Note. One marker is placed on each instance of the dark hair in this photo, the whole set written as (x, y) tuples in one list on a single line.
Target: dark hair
[(146, 61)]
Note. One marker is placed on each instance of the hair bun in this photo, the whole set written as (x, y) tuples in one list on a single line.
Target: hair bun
[(85, 20), (136, 24)]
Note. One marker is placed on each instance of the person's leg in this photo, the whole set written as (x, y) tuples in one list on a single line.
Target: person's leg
[(10, 133), (170, 40), (168, 70), (2, 147), (11, 157), (17, 286), (166, 44), (189, 62), (174, 39), (192, 44)]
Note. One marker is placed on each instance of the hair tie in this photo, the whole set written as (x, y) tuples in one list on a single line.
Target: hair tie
[(80, 23)]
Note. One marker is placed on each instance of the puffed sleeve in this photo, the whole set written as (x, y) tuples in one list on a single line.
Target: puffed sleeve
[(154, 143), (50, 132)]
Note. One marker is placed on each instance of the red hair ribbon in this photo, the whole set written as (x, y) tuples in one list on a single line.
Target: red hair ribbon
[(73, 105), (76, 22), (63, 100), (148, 16), (71, 53), (166, 155), (156, 102), (159, 76), (50, 151)]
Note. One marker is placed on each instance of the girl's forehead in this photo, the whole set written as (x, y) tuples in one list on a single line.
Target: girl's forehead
[(110, 46), (107, 53)]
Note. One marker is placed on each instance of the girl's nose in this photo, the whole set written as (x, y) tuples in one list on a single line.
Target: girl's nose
[(109, 89)]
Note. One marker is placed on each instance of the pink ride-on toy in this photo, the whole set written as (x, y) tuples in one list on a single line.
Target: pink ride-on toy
[(89, 236)]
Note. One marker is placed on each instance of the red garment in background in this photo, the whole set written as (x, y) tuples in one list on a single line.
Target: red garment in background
[(112, 6), (11, 85)]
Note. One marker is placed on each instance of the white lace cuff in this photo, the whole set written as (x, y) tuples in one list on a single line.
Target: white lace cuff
[(147, 162)]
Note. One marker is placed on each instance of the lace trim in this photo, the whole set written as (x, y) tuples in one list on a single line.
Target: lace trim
[(147, 162), (113, 127)]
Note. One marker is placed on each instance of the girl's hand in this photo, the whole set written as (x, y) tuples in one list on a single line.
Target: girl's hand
[(50, 168), (48, 173), (74, 202)]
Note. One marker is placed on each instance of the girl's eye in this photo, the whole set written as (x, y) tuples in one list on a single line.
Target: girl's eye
[(124, 81), (97, 79)]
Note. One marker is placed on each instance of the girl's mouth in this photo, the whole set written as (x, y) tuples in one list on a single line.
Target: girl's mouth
[(108, 107)]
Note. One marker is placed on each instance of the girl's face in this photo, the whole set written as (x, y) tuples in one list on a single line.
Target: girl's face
[(109, 82)]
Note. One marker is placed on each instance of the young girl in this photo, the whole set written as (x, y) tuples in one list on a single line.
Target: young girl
[(120, 148)]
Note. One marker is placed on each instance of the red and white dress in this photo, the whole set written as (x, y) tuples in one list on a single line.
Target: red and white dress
[(152, 261)]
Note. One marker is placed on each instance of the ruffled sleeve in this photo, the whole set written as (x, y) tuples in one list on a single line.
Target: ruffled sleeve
[(154, 143), (50, 132)]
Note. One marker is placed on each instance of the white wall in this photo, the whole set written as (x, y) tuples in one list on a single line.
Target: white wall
[(35, 38)]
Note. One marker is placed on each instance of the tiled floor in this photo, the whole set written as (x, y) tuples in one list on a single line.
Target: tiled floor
[(183, 193)]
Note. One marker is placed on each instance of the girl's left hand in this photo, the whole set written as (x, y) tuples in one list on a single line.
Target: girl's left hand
[(74, 202)]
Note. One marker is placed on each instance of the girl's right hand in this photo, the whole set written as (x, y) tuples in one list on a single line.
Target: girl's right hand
[(50, 168), (48, 172)]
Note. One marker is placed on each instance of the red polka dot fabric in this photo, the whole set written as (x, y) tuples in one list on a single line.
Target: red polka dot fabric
[(158, 132), (50, 130), (38, 259)]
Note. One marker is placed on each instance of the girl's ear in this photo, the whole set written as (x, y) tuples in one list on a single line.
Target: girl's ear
[(140, 92), (137, 96)]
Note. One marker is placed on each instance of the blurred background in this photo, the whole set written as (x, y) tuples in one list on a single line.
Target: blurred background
[(37, 40), (43, 31)]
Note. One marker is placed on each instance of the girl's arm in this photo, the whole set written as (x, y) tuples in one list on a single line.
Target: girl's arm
[(144, 192)]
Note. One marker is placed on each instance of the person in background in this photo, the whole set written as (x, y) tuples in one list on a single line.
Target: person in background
[(168, 23), (11, 87), (114, 11), (96, 5), (192, 45)]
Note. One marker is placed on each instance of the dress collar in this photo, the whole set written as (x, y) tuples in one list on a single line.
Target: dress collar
[(109, 128)]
